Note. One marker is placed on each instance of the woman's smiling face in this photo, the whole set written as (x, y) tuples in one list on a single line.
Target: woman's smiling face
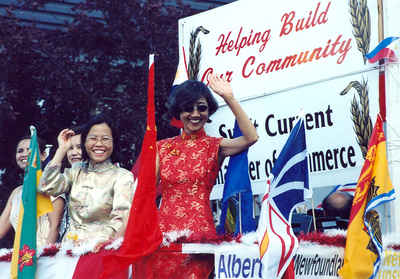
[(22, 153), (99, 143), (194, 116), (74, 154)]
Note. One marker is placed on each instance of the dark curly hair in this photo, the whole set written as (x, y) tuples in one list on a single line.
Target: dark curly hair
[(100, 119), (187, 94), (77, 129)]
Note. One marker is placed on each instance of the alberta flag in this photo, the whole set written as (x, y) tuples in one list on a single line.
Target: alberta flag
[(276, 239)]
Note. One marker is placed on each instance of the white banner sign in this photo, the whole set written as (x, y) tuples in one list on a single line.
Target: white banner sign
[(262, 46), (310, 262), (283, 59)]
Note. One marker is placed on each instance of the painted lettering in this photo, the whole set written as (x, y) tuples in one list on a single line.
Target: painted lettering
[(243, 40), (235, 266), (290, 23)]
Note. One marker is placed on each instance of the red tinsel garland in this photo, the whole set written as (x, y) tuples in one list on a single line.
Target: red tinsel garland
[(314, 237), (6, 257), (394, 247), (322, 239), (214, 239), (50, 251)]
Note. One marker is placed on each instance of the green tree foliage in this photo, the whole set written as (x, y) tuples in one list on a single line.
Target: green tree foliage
[(57, 78)]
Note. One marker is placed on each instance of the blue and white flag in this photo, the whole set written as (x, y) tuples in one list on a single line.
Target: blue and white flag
[(388, 48), (237, 182), (276, 239)]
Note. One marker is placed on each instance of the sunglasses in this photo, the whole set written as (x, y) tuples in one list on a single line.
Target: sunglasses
[(200, 108)]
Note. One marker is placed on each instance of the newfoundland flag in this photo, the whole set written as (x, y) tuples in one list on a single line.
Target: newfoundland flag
[(276, 239)]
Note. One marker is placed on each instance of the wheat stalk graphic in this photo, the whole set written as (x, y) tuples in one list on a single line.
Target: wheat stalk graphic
[(362, 124), (195, 53), (360, 114), (360, 20)]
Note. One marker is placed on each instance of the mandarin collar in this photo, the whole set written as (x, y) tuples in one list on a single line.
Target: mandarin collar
[(196, 135), (100, 167)]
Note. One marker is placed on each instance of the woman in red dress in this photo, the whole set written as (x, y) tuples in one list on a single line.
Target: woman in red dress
[(187, 166)]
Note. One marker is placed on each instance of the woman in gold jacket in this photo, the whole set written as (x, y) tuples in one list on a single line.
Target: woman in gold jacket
[(100, 192)]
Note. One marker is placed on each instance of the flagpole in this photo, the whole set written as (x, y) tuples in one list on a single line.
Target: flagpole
[(382, 89), (380, 20), (382, 94), (313, 213), (240, 213)]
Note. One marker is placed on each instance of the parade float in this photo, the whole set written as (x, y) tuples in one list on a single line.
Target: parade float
[(309, 56), (281, 59)]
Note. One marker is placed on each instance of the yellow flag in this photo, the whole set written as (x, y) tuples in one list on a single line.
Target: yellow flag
[(362, 255)]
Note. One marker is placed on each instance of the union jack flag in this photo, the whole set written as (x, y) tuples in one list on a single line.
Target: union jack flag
[(276, 239)]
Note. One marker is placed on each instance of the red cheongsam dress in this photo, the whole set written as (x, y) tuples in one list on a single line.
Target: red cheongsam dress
[(188, 169)]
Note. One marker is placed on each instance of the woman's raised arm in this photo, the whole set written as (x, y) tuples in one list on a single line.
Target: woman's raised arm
[(64, 143), (230, 147)]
